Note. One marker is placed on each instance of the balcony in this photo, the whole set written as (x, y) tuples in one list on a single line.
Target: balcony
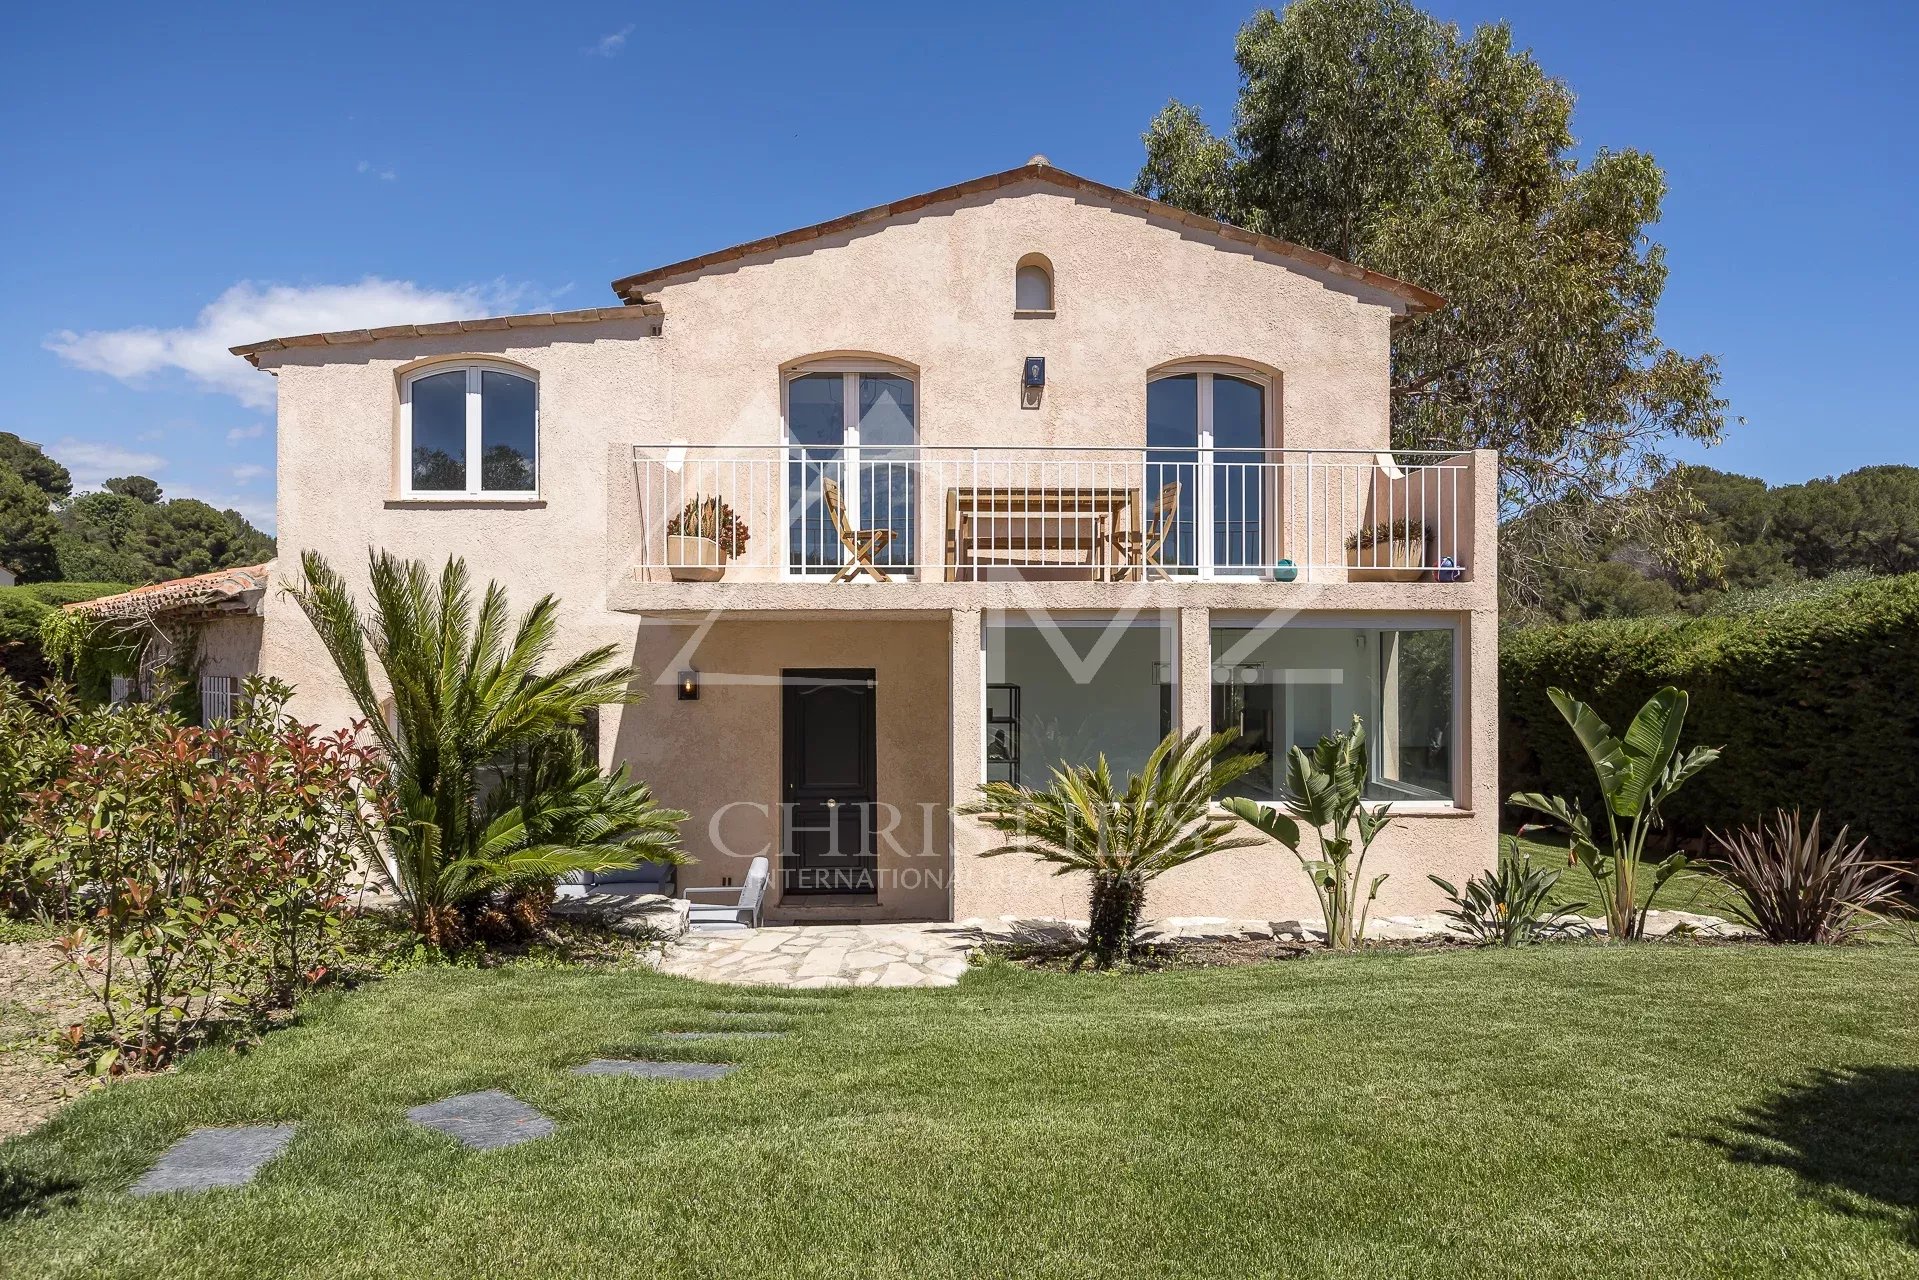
[(895, 514)]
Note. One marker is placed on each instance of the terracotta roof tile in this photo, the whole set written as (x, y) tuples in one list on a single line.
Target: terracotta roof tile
[(219, 587)]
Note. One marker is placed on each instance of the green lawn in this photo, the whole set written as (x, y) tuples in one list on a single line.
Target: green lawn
[(1577, 1110)]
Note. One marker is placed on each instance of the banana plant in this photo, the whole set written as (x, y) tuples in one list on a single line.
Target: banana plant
[(1324, 790), (1636, 774)]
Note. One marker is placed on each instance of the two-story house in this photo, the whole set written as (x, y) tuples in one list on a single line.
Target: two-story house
[(1023, 470)]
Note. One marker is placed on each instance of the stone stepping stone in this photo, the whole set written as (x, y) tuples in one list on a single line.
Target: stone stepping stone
[(214, 1158), (656, 1070), (483, 1121), (722, 1035)]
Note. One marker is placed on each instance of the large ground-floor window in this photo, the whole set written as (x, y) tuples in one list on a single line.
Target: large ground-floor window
[(1071, 689), (1287, 686)]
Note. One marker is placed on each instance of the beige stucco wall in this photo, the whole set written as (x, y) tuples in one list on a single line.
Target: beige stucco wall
[(230, 646), (933, 291), (719, 757)]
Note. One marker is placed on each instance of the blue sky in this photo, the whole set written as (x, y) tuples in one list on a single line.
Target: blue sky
[(178, 178)]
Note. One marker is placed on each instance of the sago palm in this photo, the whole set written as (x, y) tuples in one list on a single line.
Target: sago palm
[(1122, 839), (470, 696)]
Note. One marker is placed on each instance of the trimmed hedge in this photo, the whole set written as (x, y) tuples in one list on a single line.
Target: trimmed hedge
[(1815, 702)]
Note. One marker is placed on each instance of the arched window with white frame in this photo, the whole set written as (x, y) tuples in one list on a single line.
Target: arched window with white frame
[(470, 429), (1208, 429), (852, 435)]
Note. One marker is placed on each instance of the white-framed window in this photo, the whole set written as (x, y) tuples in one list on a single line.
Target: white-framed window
[(1069, 688), (470, 429), (852, 431), (1208, 428), (1286, 685)]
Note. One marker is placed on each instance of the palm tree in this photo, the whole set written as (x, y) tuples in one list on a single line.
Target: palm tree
[(1125, 839), (482, 799)]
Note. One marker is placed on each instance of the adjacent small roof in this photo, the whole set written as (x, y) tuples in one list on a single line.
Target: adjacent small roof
[(1418, 301), (533, 320), (226, 590)]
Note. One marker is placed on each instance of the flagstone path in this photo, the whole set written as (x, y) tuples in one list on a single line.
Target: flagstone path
[(655, 1070), (824, 955), (206, 1158), (483, 1121), (721, 1035)]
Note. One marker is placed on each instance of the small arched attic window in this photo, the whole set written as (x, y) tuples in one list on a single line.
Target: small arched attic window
[(1033, 285)]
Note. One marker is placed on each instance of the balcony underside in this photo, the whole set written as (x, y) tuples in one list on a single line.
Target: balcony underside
[(906, 598)]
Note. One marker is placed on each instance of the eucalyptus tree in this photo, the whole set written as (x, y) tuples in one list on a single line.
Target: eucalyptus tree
[(1373, 131)]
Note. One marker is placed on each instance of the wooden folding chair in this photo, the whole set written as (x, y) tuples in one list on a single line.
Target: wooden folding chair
[(860, 545), (1139, 552)]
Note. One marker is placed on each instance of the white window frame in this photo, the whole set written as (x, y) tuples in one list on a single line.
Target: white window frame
[(473, 369), (1375, 623), (849, 369), (1206, 371)]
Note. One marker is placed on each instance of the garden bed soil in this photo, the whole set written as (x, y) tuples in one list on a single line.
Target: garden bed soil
[(37, 999), (1225, 953), (1155, 957)]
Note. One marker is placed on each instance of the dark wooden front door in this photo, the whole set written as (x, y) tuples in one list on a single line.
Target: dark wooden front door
[(827, 726)]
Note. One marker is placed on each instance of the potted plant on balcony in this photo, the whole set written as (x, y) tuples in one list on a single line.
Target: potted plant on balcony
[(1392, 551), (702, 538)]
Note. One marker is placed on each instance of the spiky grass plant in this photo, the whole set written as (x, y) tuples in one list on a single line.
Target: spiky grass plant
[(1795, 886), (1511, 905)]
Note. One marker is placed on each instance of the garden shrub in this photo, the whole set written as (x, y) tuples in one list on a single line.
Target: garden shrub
[(23, 656), (193, 876), (1815, 700)]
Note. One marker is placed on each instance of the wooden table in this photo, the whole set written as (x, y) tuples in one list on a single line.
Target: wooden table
[(1036, 518)]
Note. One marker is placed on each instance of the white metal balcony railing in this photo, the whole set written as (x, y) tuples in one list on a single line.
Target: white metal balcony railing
[(1105, 514)]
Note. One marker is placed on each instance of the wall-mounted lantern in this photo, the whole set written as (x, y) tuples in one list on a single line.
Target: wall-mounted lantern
[(689, 685), (1032, 382)]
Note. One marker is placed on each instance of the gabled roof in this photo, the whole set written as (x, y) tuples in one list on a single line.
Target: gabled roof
[(1418, 301), (230, 590)]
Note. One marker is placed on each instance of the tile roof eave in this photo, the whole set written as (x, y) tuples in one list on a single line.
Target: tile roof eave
[(252, 351), (241, 584)]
